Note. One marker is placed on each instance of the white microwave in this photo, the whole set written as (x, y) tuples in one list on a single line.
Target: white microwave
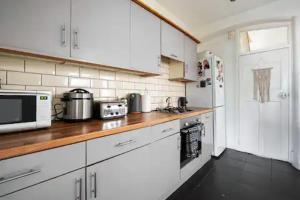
[(24, 110)]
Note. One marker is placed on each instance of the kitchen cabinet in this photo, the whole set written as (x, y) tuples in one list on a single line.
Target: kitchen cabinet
[(36, 26), (67, 187), (172, 42), (165, 166), (120, 178), (207, 137), (187, 71), (190, 59), (23, 171), (145, 40), (101, 32)]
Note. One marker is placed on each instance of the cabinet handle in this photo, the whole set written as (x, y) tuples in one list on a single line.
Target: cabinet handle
[(159, 61), (22, 175), (78, 186), (167, 130), (76, 39), (94, 188), (63, 35), (204, 131), (121, 144), (179, 143), (173, 55)]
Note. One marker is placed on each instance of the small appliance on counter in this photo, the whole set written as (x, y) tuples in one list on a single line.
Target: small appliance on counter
[(182, 103), (109, 109), (146, 103), (77, 105), (134, 103), (24, 110)]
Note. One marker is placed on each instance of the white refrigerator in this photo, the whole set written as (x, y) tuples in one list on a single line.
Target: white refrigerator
[(208, 92)]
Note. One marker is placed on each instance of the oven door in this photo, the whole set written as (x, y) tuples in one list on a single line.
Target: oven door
[(191, 143), (18, 111)]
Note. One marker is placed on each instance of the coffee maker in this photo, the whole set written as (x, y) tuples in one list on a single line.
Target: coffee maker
[(182, 104)]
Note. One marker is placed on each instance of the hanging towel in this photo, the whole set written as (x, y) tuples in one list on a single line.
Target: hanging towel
[(262, 80)]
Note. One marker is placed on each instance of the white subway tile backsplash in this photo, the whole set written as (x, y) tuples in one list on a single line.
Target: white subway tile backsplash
[(40, 67), (79, 82), (60, 90), (107, 92), (30, 74), (58, 81), (20, 78), (107, 75), (2, 77), (13, 87), (89, 73), (11, 63), (67, 70), (42, 88), (99, 83)]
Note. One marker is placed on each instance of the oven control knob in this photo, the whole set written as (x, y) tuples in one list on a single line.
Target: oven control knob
[(198, 120), (186, 124)]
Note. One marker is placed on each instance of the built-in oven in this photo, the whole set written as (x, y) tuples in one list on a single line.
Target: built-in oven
[(23, 110), (191, 132)]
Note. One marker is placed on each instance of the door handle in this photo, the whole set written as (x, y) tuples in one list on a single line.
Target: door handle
[(22, 175), (63, 35), (94, 185), (78, 186), (283, 95), (76, 39)]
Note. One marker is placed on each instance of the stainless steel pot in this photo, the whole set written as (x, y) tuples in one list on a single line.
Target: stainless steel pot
[(77, 105)]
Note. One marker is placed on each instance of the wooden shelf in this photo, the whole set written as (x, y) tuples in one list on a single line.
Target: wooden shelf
[(146, 7)]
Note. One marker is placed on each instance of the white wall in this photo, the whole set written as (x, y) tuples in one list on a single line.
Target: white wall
[(216, 41)]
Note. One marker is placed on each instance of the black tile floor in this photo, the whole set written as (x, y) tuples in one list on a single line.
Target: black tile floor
[(242, 176)]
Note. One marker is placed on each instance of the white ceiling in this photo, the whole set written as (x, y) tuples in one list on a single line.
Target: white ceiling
[(198, 12)]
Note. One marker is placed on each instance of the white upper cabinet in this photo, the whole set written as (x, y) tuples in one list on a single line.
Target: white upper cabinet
[(172, 42), (37, 26), (190, 59), (145, 40), (101, 31)]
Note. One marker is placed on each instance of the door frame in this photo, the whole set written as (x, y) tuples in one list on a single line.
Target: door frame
[(290, 26)]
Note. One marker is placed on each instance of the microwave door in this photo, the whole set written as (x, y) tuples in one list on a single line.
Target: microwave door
[(17, 112)]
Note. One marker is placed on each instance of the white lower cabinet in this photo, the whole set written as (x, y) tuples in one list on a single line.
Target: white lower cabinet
[(207, 137), (68, 187), (125, 177), (165, 166)]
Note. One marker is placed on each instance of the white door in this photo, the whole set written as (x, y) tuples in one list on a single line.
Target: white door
[(218, 82), (165, 166), (190, 59), (101, 31), (145, 40), (37, 26), (67, 187), (219, 130), (172, 42), (264, 127), (125, 177), (207, 137)]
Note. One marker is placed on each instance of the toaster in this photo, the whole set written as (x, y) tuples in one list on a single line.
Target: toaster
[(110, 109)]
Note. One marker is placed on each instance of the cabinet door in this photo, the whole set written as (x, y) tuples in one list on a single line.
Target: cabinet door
[(207, 137), (124, 177), (190, 60), (68, 187), (165, 166), (37, 26), (172, 42), (101, 31), (145, 40)]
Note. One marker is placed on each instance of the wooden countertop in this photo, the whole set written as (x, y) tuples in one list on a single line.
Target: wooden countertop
[(63, 133)]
